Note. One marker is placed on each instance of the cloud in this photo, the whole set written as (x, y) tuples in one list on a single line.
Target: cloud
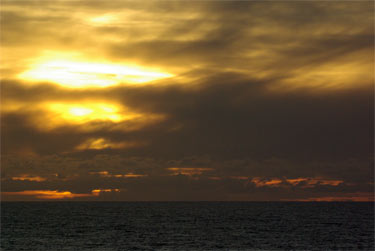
[(234, 117), (266, 101), (197, 177)]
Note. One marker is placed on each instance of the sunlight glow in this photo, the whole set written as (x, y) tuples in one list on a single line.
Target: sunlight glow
[(79, 111), (76, 74), (104, 19), (90, 115), (101, 143), (91, 111)]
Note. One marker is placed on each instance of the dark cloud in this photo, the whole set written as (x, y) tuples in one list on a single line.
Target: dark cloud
[(231, 118)]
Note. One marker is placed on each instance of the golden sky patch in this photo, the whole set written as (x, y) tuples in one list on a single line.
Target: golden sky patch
[(53, 114), (90, 111), (90, 115), (101, 143), (103, 19)]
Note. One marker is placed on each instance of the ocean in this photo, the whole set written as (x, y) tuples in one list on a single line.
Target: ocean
[(187, 226)]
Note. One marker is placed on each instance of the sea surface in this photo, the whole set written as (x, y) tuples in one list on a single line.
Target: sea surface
[(187, 226)]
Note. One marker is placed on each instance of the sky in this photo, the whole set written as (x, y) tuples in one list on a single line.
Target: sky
[(187, 100)]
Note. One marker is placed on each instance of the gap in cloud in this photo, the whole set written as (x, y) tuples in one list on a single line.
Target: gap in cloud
[(87, 114), (102, 143)]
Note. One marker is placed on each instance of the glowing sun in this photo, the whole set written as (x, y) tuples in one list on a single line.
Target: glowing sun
[(79, 74)]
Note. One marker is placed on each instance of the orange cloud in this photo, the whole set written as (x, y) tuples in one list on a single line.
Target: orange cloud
[(29, 178), (128, 175), (101, 173), (295, 182), (48, 194), (96, 192), (311, 182), (56, 195), (347, 197), (262, 182)]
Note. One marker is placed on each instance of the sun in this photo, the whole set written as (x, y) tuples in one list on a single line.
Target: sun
[(69, 72), (80, 111)]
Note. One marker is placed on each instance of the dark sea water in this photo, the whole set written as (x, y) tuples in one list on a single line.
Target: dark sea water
[(187, 226)]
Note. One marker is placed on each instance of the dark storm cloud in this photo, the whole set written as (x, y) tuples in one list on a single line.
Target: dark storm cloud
[(226, 116), (18, 134)]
